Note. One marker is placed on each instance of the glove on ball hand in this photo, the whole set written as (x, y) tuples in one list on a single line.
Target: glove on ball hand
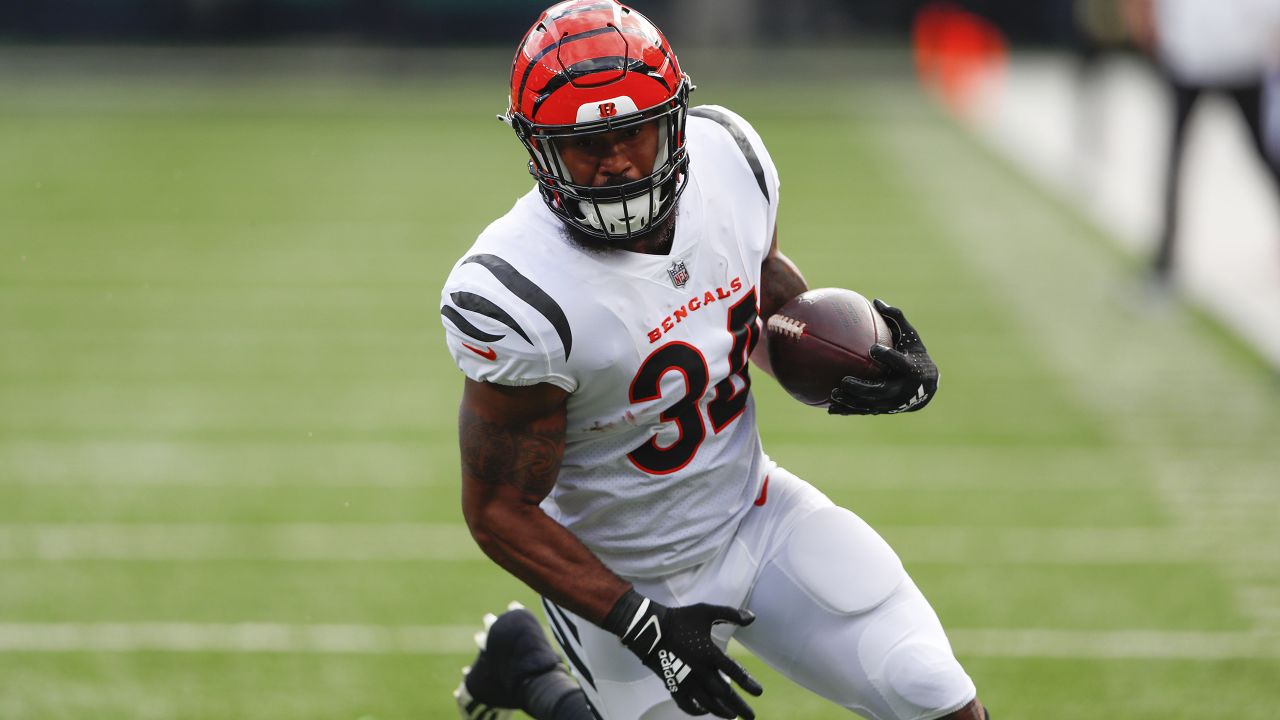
[(676, 644), (910, 381)]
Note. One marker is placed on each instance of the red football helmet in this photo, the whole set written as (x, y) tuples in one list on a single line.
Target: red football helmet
[(591, 66)]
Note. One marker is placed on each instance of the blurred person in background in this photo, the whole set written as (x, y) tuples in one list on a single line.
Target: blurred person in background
[(1271, 103), (610, 454), (1205, 46)]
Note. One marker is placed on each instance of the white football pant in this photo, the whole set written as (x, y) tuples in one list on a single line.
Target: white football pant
[(835, 612)]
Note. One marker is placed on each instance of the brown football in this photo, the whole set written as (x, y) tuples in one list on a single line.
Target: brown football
[(820, 337)]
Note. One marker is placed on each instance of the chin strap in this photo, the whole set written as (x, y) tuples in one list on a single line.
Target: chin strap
[(616, 217)]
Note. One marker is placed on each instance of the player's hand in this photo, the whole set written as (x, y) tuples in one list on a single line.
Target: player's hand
[(676, 644), (910, 381)]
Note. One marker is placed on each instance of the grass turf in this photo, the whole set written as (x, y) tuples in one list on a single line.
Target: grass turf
[(218, 321)]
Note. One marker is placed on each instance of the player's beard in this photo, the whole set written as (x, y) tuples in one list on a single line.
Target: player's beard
[(657, 241)]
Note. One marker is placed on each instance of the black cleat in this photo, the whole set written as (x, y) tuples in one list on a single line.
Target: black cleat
[(513, 650)]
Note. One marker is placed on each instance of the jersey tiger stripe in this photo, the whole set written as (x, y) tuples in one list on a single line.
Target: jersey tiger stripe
[(528, 291), (466, 327), (481, 305)]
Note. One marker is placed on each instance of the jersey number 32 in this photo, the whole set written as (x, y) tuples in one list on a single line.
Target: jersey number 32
[(725, 407)]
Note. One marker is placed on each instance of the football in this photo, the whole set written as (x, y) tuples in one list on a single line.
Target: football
[(820, 337)]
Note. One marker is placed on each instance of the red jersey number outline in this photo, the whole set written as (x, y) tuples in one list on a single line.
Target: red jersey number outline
[(722, 410)]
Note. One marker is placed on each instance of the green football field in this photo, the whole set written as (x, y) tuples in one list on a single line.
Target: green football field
[(228, 466)]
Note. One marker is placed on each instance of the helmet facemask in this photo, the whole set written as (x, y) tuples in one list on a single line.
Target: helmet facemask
[(614, 217), (613, 213)]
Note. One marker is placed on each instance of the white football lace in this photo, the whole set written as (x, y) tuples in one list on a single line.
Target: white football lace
[(787, 326)]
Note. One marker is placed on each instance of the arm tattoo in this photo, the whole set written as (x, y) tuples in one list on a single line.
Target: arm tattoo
[(526, 457)]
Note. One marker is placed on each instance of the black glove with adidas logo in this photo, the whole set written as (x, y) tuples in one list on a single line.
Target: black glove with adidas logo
[(911, 378), (676, 644)]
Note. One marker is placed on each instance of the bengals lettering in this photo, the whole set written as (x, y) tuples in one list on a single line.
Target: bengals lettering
[(695, 304)]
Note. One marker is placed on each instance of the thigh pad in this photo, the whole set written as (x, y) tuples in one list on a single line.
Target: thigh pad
[(840, 562)]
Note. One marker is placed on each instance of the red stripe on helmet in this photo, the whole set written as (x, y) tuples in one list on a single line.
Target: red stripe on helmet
[(580, 31)]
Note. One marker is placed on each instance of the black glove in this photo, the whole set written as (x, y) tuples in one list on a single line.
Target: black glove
[(910, 381), (676, 644)]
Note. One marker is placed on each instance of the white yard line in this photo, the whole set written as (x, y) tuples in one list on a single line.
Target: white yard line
[(451, 542), (299, 462), (282, 542), (458, 640), (1116, 644), (236, 638)]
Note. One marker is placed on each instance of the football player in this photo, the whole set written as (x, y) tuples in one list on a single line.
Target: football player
[(610, 456)]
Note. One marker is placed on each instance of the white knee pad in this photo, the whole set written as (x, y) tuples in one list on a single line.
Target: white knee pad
[(925, 676), (841, 562)]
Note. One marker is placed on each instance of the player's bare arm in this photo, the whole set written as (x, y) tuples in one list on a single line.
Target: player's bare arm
[(512, 441), (780, 280)]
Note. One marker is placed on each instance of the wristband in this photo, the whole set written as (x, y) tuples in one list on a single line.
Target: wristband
[(625, 612)]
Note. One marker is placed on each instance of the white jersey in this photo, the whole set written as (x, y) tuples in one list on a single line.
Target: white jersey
[(662, 457)]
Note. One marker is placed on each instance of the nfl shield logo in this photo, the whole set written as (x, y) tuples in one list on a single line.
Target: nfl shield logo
[(679, 273)]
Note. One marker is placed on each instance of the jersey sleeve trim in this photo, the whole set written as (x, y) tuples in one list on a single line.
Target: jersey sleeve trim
[(525, 289), (739, 137)]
